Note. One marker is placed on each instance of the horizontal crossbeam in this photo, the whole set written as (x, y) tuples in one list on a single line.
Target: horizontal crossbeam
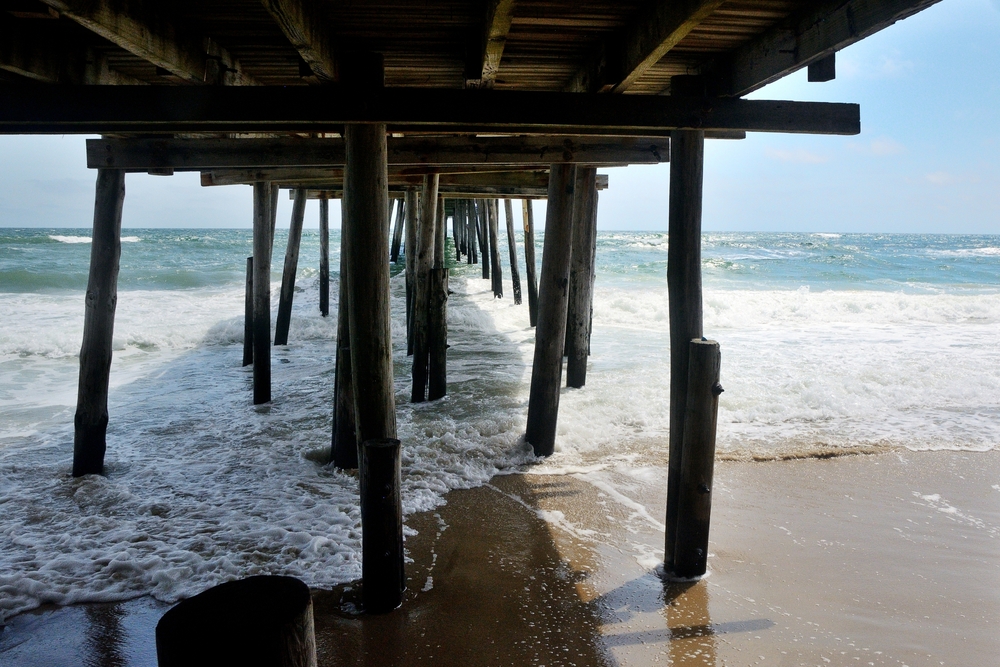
[(208, 154), (123, 109)]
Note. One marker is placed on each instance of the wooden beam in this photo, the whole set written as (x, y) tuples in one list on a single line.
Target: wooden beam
[(825, 28), (626, 56), (516, 179), (51, 56), (499, 189), (268, 154), (117, 109), (149, 29), (283, 175), (484, 66), (309, 32)]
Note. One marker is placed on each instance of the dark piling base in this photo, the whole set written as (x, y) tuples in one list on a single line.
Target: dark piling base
[(383, 579), (261, 621), (694, 498)]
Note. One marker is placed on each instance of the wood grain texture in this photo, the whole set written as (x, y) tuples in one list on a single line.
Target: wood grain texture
[(553, 298), (368, 248), (684, 293)]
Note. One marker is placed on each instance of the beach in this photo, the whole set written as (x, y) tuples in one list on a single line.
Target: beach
[(856, 503), (885, 559)]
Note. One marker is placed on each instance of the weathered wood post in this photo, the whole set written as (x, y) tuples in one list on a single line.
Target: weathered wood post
[(694, 501), (471, 230), (493, 216), (438, 321), (324, 256), (440, 235), (553, 297), (248, 316), (262, 242), (580, 273), (91, 421), (383, 579), (273, 203), (456, 233), (397, 233), (482, 227), (421, 299), (410, 255), (528, 220), (687, 148), (284, 318), (515, 276), (366, 188), (458, 228), (262, 620), (344, 446)]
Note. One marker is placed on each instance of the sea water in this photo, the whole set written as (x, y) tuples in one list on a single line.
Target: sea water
[(830, 344)]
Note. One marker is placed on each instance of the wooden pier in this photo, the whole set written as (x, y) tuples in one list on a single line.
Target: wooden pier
[(447, 108)]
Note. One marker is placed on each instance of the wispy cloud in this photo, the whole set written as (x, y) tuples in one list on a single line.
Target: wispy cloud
[(885, 66), (879, 146), (798, 156), (941, 178)]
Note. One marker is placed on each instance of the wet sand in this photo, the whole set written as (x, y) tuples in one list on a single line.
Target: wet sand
[(889, 559)]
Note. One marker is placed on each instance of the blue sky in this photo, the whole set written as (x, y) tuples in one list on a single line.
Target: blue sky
[(926, 160)]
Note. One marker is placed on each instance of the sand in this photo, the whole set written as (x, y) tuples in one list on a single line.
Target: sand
[(889, 559)]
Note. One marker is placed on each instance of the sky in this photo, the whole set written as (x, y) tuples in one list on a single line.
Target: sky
[(927, 159)]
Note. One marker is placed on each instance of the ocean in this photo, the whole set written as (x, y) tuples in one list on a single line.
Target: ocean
[(831, 344)]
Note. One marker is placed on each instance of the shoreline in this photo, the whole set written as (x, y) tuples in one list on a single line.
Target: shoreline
[(885, 559)]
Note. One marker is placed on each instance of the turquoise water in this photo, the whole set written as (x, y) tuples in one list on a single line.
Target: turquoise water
[(831, 344)]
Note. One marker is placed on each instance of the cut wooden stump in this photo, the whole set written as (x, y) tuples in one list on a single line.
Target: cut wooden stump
[(263, 621)]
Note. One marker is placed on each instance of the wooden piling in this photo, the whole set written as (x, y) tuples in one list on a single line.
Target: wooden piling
[(273, 215), (496, 271), (528, 221), (248, 316), (515, 276), (684, 293), (324, 256), (456, 234), (694, 500), (471, 227), (553, 297), (482, 226), (261, 620), (284, 318), (438, 330), (366, 188), (262, 242), (580, 277), (421, 299), (410, 255), (397, 232), (344, 446), (91, 420), (383, 578), (440, 235)]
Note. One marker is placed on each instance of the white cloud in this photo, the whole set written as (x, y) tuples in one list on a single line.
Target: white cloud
[(798, 156), (879, 146), (941, 178)]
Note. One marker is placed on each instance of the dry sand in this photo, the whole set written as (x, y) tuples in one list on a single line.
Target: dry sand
[(890, 559)]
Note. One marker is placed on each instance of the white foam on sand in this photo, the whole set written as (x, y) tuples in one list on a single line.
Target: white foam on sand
[(201, 486)]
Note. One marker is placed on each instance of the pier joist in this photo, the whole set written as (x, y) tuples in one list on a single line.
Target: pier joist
[(117, 109)]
